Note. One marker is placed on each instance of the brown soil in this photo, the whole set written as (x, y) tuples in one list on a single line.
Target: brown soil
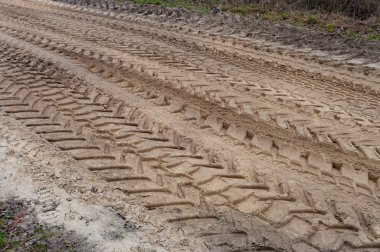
[(209, 140)]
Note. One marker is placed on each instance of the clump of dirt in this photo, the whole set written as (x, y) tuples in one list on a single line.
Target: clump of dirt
[(21, 231)]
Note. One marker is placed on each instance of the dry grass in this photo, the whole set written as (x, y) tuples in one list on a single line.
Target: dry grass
[(356, 19), (361, 9)]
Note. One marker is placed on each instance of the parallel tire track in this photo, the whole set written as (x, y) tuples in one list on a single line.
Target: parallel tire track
[(217, 123), (105, 135), (197, 191), (344, 139), (313, 163)]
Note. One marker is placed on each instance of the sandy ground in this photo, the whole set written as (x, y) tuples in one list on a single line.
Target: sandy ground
[(103, 228), (141, 132)]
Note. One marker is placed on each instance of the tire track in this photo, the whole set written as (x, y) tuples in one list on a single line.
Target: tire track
[(344, 139), (114, 11), (168, 173), (156, 31), (50, 98), (339, 141), (262, 78), (313, 163), (68, 109)]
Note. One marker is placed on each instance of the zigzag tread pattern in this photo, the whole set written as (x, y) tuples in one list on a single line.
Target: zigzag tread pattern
[(316, 162), (120, 144), (345, 140)]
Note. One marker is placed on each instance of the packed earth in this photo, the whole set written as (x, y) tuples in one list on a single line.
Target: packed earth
[(146, 128)]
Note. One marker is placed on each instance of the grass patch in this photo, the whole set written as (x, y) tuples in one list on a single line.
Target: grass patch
[(174, 4), (18, 233), (352, 34), (311, 20), (2, 240), (321, 15), (374, 36), (241, 10), (155, 2), (284, 16), (39, 247), (329, 28), (269, 17)]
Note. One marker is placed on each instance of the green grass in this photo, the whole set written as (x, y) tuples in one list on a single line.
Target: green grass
[(374, 36), (175, 4), (330, 28), (310, 20), (241, 10), (269, 17), (155, 2), (353, 35), (2, 239), (39, 247), (284, 16)]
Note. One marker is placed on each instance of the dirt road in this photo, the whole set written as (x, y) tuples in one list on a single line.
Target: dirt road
[(222, 143)]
